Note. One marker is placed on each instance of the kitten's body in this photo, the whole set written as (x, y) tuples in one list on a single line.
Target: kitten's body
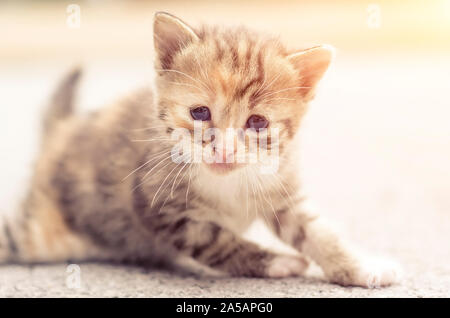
[(105, 187)]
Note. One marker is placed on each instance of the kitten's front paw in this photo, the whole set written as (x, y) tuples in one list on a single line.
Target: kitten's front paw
[(286, 266), (368, 273)]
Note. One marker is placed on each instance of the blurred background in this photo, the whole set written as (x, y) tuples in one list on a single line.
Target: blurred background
[(376, 141)]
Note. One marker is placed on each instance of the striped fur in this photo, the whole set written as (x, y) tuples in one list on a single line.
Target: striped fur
[(105, 187)]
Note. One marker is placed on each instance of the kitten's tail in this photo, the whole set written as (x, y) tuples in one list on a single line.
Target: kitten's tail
[(8, 245), (62, 102), (37, 232)]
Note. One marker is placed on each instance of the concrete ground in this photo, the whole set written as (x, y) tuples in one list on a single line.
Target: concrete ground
[(111, 281), (376, 150)]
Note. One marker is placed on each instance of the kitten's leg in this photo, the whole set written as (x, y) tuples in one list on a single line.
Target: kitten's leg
[(341, 264), (222, 250)]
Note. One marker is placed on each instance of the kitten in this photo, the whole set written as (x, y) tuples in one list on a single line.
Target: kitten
[(106, 186)]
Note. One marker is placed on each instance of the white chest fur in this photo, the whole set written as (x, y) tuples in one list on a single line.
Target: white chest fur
[(230, 204)]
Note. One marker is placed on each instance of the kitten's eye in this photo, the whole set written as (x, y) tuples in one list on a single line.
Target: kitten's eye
[(201, 113), (257, 122)]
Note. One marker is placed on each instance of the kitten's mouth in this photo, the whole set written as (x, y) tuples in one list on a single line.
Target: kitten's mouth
[(222, 168)]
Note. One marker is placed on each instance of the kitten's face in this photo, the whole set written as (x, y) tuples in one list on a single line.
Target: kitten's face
[(233, 79)]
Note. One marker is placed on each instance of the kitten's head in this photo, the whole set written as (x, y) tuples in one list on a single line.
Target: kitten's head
[(233, 78)]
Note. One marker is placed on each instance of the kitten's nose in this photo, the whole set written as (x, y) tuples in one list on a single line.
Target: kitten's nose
[(223, 154)]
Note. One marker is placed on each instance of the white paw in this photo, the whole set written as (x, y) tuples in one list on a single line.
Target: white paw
[(370, 273), (375, 273), (286, 266)]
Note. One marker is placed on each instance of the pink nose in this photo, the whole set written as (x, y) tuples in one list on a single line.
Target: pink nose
[(224, 155)]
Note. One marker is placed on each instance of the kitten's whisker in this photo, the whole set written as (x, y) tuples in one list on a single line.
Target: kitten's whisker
[(277, 188), (260, 194), (144, 179), (176, 177), (246, 202), (248, 192), (159, 154), (162, 183), (184, 174), (148, 140), (254, 196), (282, 90), (291, 203), (203, 71), (148, 172), (268, 85), (241, 182), (279, 98), (279, 185), (149, 128), (270, 203), (262, 85), (188, 76), (190, 85), (189, 184), (170, 196)]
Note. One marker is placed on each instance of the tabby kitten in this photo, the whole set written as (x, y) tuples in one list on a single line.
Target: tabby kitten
[(106, 186)]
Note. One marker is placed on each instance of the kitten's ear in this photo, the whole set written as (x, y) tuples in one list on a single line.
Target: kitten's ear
[(311, 65), (170, 34)]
